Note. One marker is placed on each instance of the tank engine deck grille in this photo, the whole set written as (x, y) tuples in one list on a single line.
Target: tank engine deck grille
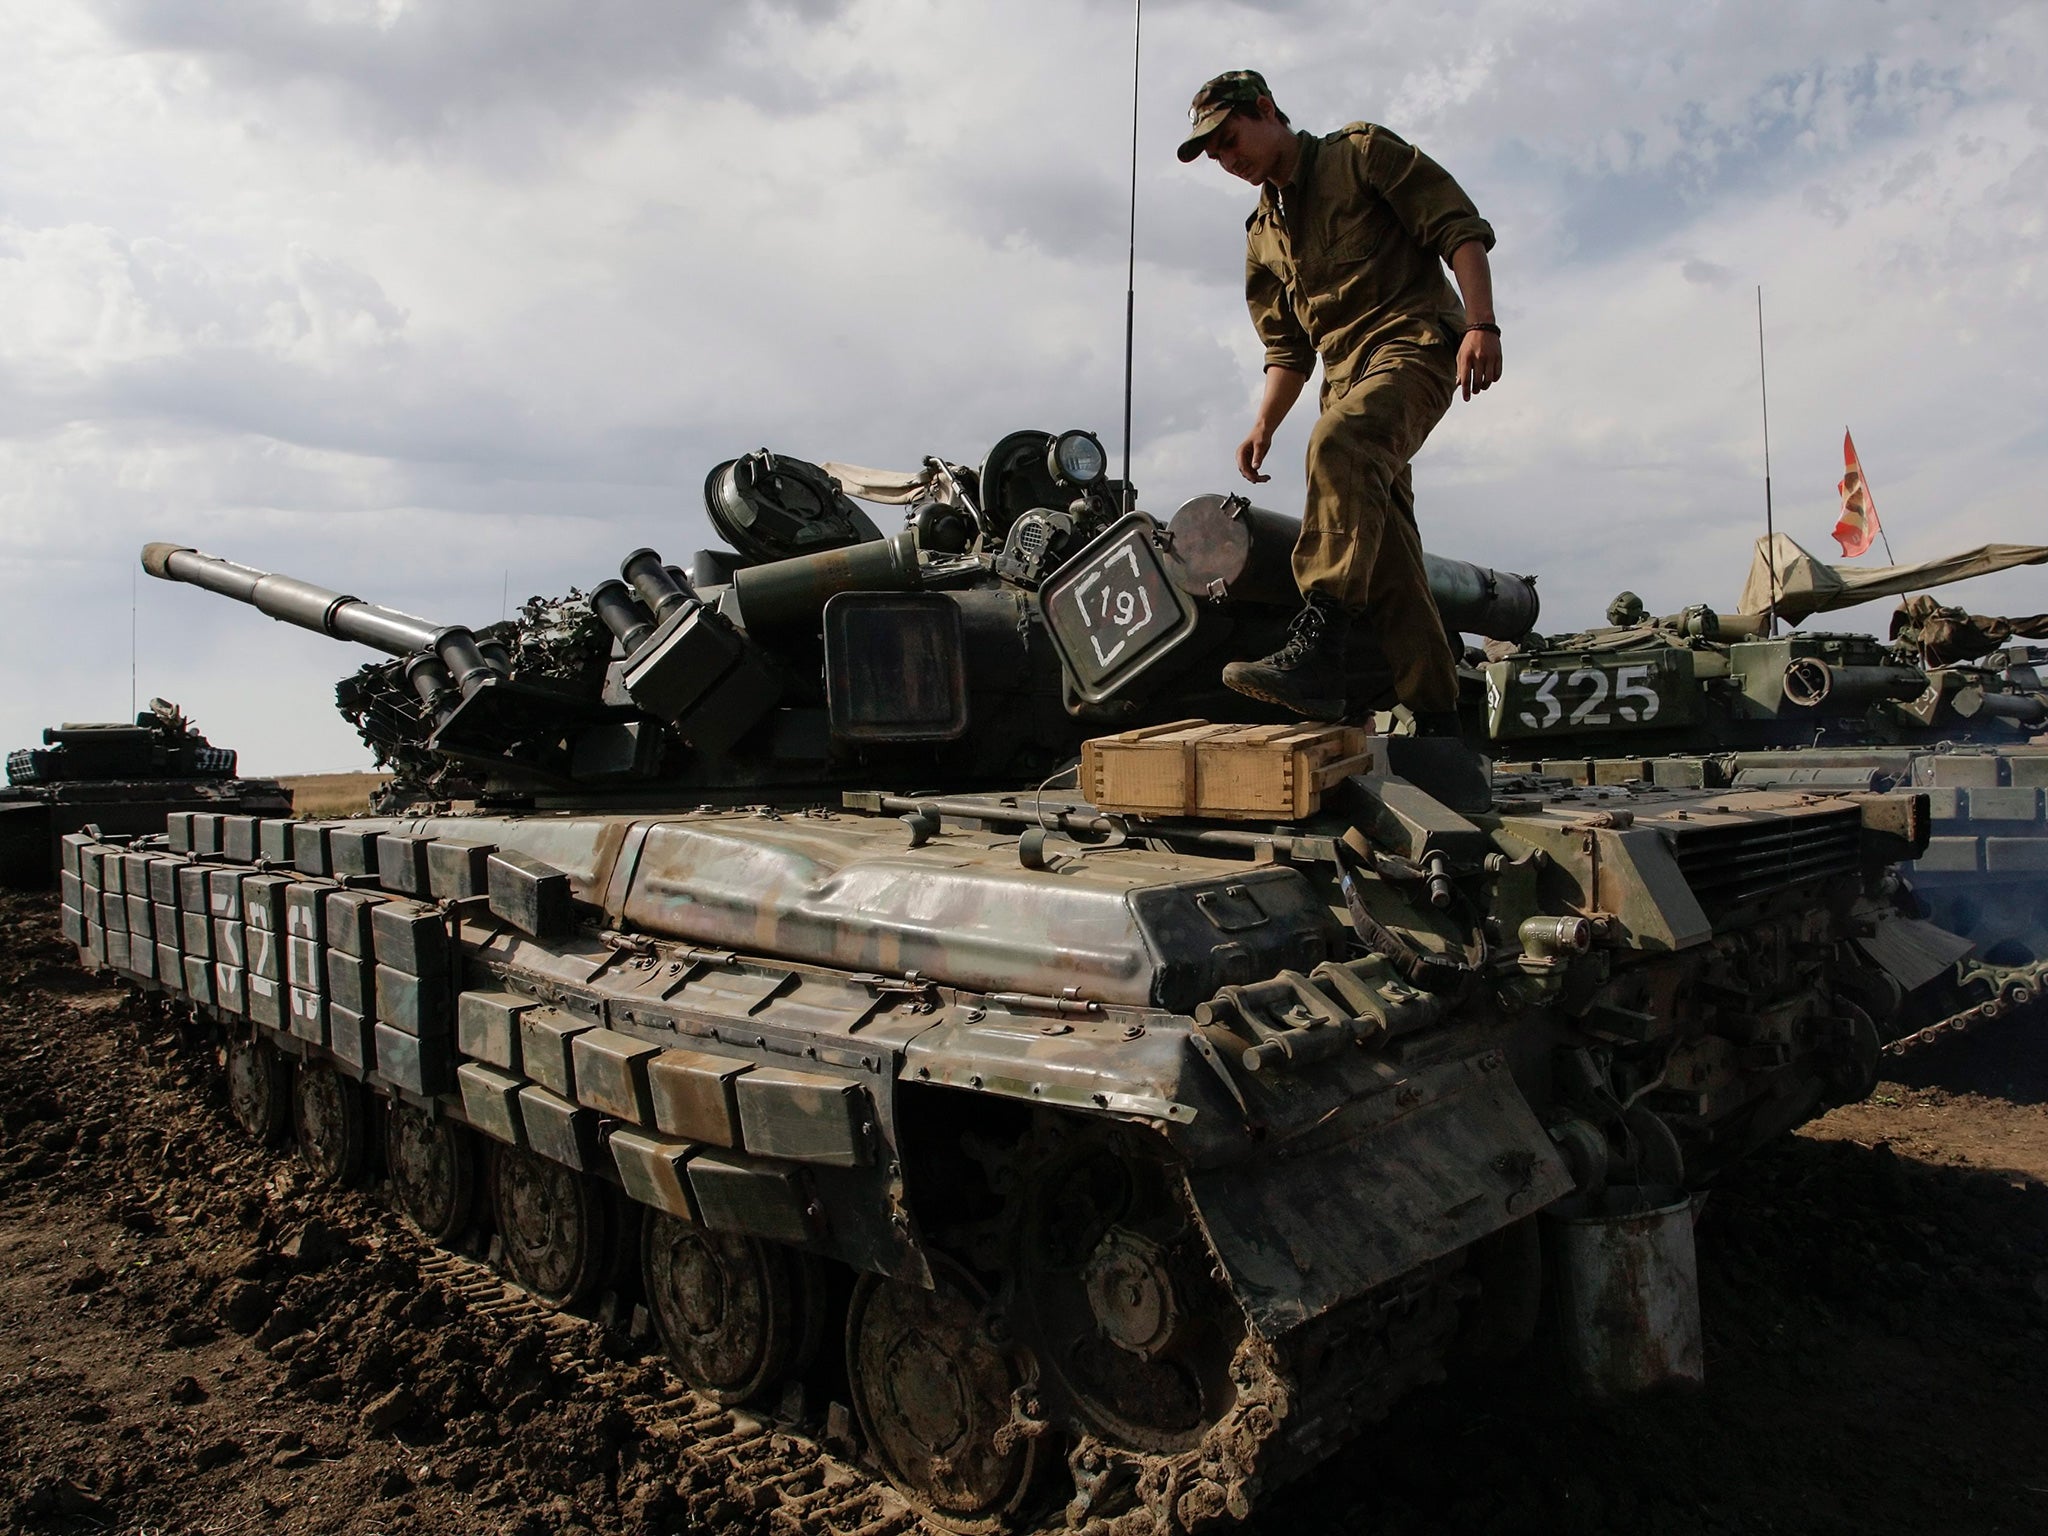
[(1726, 865)]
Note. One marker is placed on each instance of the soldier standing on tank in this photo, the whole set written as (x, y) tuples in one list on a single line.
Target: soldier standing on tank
[(1344, 257)]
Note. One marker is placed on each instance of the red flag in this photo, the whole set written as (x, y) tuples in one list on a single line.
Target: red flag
[(1857, 525)]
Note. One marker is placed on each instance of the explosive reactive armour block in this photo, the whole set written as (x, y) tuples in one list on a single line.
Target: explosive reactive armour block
[(140, 919), (308, 1014), (170, 968), (736, 1194), (192, 888), (265, 997), (457, 869), (610, 1073), (274, 839), (651, 1168), (113, 912), (305, 910), (198, 978), (116, 944), (72, 922), (694, 1097), (351, 1036), (491, 1102), (265, 951), (228, 948), (533, 897), (179, 826), (135, 873), (205, 832), (412, 938), (141, 957), (224, 893), (112, 872), (413, 1005), (422, 1066), (238, 838), (352, 850), (309, 848), (348, 921), (545, 1038), (163, 880), (69, 847), (263, 901), (230, 990), (305, 966), (487, 1027), (196, 934), (89, 867), (167, 923), (352, 983), (402, 862), (557, 1129), (71, 890)]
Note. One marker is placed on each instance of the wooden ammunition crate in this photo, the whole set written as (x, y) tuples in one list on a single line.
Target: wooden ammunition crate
[(1231, 772)]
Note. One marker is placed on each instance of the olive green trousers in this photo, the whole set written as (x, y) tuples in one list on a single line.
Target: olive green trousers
[(1359, 545)]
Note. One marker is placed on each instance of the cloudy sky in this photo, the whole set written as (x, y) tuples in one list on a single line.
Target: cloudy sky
[(433, 300)]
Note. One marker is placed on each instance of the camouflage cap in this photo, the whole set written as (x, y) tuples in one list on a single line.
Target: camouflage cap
[(1215, 101)]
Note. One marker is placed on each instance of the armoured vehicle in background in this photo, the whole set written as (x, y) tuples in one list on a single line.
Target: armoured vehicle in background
[(121, 778), (1116, 1152), (1952, 705)]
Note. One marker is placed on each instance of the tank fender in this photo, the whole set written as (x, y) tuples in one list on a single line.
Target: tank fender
[(1913, 952), (1436, 1160)]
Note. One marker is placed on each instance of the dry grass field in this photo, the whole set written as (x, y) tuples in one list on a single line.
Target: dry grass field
[(333, 794)]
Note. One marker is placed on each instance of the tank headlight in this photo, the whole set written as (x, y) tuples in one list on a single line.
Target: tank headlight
[(1077, 458)]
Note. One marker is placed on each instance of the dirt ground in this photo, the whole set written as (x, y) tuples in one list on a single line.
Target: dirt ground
[(193, 1340)]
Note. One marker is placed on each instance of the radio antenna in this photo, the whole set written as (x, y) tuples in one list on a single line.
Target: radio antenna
[(1770, 530), (1131, 256)]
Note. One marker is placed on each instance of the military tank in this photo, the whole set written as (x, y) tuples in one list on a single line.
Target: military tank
[(122, 778), (1710, 699), (1114, 1152)]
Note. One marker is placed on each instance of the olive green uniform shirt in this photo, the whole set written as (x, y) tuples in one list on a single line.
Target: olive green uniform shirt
[(1351, 253)]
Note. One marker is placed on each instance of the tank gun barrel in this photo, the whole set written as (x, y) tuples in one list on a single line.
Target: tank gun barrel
[(292, 601), (1223, 546), (1810, 681)]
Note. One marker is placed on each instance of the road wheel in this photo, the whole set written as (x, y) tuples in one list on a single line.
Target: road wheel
[(555, 1226), (433, 1165)]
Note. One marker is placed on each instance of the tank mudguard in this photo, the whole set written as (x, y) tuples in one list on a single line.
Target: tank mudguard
[(1430, 1164)]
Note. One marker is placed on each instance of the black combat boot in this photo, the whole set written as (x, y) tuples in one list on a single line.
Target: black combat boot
[(1306, 674)]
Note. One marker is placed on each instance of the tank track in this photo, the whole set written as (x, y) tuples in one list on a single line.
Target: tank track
[(735, 1469), (1364, 1356), (2015, 989), (740, 1469)]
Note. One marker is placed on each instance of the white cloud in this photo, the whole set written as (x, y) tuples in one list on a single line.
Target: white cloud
[(427, 298)]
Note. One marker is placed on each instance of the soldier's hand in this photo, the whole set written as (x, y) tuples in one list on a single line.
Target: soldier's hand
[(1478, 362), (1251, 453)]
